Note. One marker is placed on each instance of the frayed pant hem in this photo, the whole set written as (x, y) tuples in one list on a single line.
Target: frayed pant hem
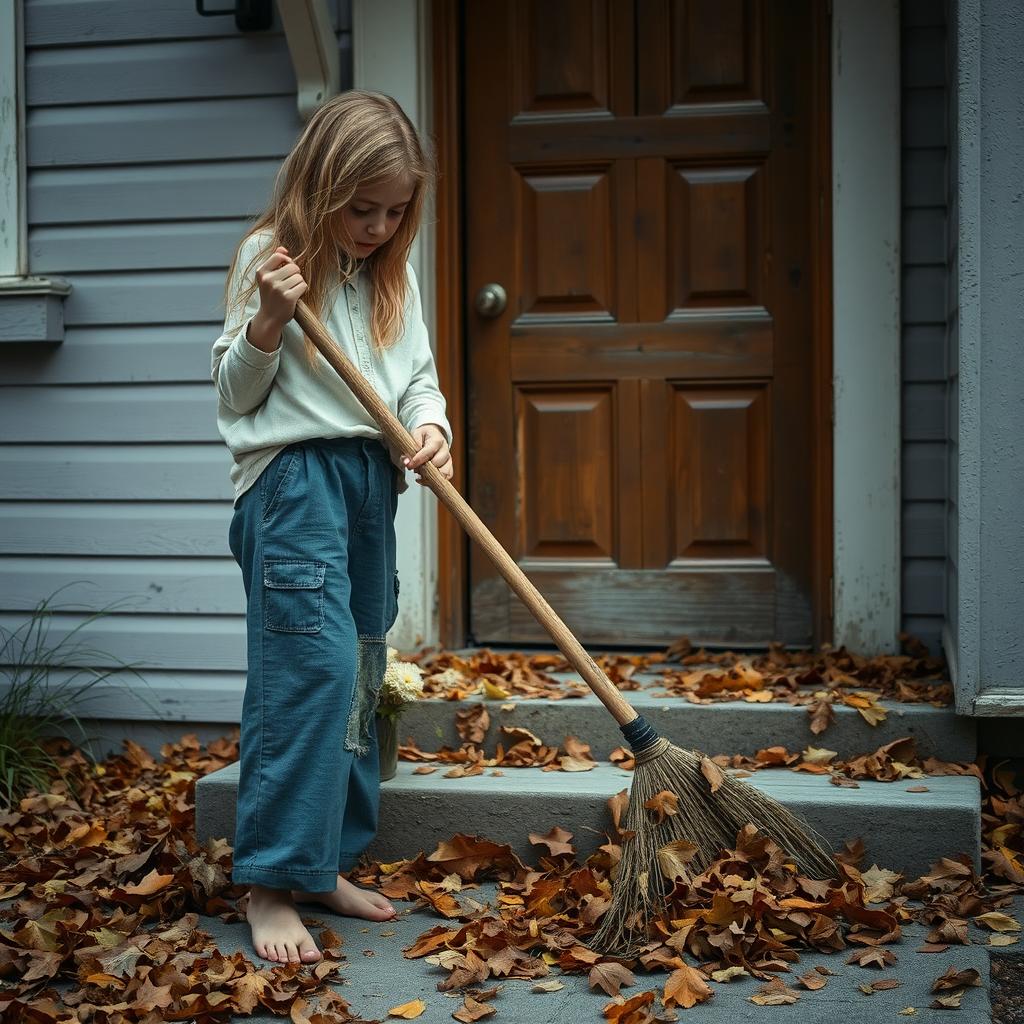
[(271, 878)]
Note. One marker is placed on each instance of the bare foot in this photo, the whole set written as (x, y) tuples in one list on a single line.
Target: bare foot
[(277, 932), (351, 900)]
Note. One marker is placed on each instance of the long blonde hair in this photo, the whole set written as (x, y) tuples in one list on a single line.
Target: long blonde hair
[(357, 138)]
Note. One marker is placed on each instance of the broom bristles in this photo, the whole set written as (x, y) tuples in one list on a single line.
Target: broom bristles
[(708, 820)]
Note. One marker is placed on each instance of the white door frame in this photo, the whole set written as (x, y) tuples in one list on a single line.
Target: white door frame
[(391, 54)]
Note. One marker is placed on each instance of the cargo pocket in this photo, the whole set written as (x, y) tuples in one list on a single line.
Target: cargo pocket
[(371, 661), (293, 596)]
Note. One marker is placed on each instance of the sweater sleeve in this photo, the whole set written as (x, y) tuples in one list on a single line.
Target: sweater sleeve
[(242, 372), (422, 401)]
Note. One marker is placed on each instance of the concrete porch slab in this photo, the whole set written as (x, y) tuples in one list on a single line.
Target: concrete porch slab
[(378, 977)]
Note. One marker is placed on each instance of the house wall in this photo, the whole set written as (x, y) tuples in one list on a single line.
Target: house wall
[(924, 261), (153, 135), (985, 639)]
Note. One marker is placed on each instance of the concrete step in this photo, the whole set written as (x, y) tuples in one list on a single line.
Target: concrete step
[(902, 831), (732, 727)]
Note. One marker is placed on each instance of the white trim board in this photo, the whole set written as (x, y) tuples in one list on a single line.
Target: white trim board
[(866, 323), (390, 51), (13, 232)]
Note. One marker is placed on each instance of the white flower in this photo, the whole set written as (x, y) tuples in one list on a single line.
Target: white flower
[(403, 681)]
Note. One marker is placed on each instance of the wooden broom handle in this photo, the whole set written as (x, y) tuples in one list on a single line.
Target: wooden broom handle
[(402, 440)]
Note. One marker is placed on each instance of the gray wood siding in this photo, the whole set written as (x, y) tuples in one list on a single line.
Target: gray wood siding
[(153, 135), (924, 314)]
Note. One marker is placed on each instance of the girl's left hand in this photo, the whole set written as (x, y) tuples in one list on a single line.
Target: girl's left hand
[(433, 448)]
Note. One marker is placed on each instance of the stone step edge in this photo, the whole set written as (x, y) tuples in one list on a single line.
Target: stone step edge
[(908, 832), (751, 726)]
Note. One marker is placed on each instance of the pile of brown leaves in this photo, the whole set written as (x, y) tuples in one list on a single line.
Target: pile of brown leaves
[(817, 680), (108, 887), (749, 914), (104, 889), (518, 748)]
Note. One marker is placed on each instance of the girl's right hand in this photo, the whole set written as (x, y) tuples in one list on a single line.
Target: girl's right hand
[(281, 286)]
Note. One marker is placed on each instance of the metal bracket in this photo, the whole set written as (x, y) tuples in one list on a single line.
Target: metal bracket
[(250, 15), (314, 49)]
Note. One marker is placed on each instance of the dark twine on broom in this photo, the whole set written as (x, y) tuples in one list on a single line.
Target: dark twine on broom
[(709, 820)]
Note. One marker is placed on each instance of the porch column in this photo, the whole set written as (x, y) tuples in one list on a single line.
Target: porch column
[(866, 327)]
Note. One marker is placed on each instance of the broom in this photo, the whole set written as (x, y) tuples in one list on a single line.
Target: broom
[(710, 820)]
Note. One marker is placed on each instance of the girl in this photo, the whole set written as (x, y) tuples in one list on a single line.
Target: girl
[(316, 493)]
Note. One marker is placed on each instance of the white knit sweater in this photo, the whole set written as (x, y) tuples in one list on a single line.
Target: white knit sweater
[(267, 400)]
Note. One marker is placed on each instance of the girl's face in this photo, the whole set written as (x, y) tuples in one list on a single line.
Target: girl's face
[(374, 213)]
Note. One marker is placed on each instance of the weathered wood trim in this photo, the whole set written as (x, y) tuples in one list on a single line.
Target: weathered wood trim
[(866, 322), (13, 243), (999, 700), (31, 308), (966, 472)]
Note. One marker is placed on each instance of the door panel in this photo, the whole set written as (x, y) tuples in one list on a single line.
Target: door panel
[(638, 179)]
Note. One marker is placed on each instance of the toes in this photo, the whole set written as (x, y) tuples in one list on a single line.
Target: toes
[(308, 952), (291, 950)]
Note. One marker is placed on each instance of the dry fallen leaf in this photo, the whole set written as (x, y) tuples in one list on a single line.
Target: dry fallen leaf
[(409, 1010), (673, 858), (472, 1010), (610, 977), (774, 993), (954, 978), (822, 715), (686, 987), (998, 922), (712, 773), (547, 986), (879, 883), (819, 755), (629, 1011), (557, 841), (663, 804), (492, 691), (812, 980), (948, 1002), (873, 956), (728, 973)]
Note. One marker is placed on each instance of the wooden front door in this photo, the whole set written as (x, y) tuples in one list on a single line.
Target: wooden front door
[(639, 179)]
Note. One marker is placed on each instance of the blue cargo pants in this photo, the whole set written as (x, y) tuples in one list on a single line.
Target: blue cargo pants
[(315, 540)]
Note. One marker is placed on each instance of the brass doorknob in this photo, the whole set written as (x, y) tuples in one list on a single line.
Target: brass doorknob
[(491, 300)]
